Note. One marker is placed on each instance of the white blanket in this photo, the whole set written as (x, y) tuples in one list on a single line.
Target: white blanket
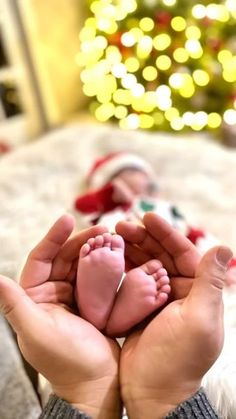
[(38, 182)]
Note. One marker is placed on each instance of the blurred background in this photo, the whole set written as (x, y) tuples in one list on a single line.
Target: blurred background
[(167, 65), (80, 79)]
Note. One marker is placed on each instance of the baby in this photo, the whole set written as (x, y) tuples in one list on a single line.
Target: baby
[(123, 186), (111, 304)]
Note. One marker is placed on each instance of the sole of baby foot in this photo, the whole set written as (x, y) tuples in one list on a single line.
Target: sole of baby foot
[(143, 290), (100, 269)]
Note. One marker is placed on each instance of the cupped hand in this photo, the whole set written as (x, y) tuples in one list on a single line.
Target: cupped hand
[(80, 363), (157, 239), (162, 365)]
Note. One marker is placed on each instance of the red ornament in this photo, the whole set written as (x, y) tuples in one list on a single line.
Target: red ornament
[(163, 18), (215, 44)]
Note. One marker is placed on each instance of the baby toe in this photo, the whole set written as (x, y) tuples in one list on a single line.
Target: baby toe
[(117, 242), (98, 242)]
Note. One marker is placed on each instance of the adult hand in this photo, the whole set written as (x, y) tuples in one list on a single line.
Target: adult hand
[(156, 239), (122, 194), (80, 363), (163, 365)]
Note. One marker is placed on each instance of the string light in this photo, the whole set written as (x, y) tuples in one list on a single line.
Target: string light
[(157, 70)]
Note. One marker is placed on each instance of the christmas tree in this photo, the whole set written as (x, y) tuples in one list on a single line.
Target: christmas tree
[(160, 64)]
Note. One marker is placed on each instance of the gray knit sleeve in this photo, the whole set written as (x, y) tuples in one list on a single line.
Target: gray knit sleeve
[(198, 407), (59, 409)]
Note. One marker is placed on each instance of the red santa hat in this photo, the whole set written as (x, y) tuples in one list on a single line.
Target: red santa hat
[(105, 168)]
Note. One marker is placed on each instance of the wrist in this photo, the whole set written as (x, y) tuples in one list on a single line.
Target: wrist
[(156, 404), (93, 398)]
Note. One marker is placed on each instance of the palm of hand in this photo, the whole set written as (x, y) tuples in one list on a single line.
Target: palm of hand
[(67, 349), (175, 334)]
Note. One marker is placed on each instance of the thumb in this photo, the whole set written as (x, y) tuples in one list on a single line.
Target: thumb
[(17, 307), (207, 289)]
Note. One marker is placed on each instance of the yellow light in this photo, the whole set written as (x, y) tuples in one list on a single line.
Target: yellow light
[(100, 42), (163, 103), (104, 97), (120, 112), (171, 114), (163, 62), (128, 39), (119, 70), (224, 55), (132, 64), (193, 32), (136, 33), (231, 5), (146, 24), (187, 90), (201, 118), (212, 11), (188, 118), (230, 116), (229, 74), (199, 11), (89, 89), (146, 103), (90, 22), (163, 90), (214, 120), (132, 121), (87, 33), (146, 121), (217, 12), (144, 47), (96, 7), (130, 6), (201, 77), (176, 80), (138, 90), (128, 81), (177, 124), (150, 73), (178, 23), (169, 2), (161, 41), (224, 15), (194, 48), (122, 97), (105, 112), (180, 55), (113, 55), (106, 25)]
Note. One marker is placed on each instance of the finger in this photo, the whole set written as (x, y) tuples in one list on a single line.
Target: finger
[(137, 234), (135, 255), (39, 262), (54, 292), (21, 312), (205, 297), (182, 251), (131, 232), (69, 252), (180, 288)]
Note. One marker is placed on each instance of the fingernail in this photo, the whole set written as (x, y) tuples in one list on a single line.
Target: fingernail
[(223, 256)]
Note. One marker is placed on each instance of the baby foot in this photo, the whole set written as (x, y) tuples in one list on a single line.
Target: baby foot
[(143, 290), (100, 268)]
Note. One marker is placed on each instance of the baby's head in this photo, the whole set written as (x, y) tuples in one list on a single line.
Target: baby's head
[(136, 179), (136, 172)]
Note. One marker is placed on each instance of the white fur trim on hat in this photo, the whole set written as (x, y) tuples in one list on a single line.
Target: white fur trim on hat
[(118, 162)]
